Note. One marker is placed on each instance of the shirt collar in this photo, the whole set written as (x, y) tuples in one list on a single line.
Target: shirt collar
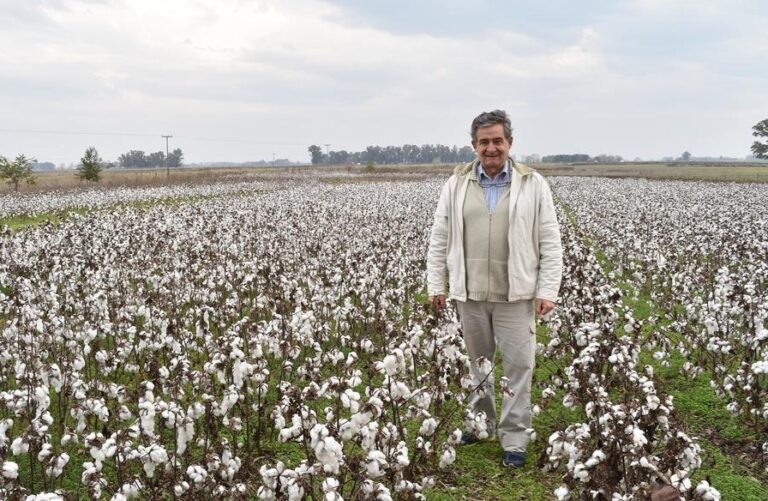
[(503, 175)]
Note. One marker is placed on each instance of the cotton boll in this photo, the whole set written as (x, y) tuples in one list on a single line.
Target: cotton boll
[(181, 488), (681, 481), (19, 446), (580, 472), (484, 365), (330, 454), (124, 414), (10, 470), (158, 454), (130, 490), (401, 456), (705, 492), (45, 452), (448, 456), (375, 464), (197, 473), (428, 427), (49, 496), (56, 467), (595, 459), (350, 399), (330, 484)]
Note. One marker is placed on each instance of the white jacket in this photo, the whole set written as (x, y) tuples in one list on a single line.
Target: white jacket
[(535, 253)]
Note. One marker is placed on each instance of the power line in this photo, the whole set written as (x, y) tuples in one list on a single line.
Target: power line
[(133, 134), (77, 133)]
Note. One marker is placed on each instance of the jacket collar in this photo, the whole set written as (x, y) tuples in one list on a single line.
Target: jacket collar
[(469, 168)]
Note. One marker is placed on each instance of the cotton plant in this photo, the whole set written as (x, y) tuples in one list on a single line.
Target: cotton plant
[(614, 433), (212, 328)]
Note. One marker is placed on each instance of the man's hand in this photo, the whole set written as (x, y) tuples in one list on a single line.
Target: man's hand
[(437, 302), (543, 307)]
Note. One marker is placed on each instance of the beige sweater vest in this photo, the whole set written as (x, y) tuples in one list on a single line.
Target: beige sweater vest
[(486, 249)]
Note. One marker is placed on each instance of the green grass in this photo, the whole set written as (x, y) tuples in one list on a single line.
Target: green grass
[(16, 223), (727, 477), (478, 474)]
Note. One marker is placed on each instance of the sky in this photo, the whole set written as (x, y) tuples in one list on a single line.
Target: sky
[(249, 80)]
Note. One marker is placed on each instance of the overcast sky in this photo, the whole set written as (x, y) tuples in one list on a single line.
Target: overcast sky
[(243, 80)]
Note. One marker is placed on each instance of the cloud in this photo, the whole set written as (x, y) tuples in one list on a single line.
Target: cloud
[(588, 77)]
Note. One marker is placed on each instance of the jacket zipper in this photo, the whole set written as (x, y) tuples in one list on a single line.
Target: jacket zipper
[(488, 271)]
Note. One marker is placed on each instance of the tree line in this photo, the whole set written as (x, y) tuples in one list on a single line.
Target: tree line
[(580, 157), (138, 159), (405, 154), (432, 153), (19, 170)]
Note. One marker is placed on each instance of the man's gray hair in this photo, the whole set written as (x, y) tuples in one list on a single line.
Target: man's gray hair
[(490, 118)]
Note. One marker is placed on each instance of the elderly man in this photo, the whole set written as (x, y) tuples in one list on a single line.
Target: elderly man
[(495, 249)]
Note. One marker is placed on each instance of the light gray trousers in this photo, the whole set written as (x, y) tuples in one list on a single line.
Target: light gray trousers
[(511, 327)]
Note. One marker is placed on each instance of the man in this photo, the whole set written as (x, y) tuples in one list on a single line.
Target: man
[(495, 244)]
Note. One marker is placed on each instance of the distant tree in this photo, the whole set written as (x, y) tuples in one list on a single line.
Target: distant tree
[(17, 171), (573, 157), (607, 159), (90, 166), (317, 154), (760, 130), (373, 154), (533, 158), (410, 153), (383, 155), (466, 154), (686, 156), (38, 166), (132, 159), (175, 157), (338, 157), (156, 159)]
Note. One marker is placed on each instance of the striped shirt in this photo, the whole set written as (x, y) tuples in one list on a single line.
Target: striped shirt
[(492, 188)]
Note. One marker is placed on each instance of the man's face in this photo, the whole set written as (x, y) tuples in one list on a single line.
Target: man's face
[(491, 146)]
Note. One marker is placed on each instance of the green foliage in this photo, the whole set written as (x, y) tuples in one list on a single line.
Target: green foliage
[(760, 130), (137, 158), (725, 474), (317, 154), (479, 475), (17, 171), (389, 155), (90, 166)]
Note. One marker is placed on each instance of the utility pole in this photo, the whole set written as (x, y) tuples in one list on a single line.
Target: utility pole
[(167, 170), (327, 153)]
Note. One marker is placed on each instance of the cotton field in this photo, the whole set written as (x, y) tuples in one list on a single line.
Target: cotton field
[(270, 339)]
